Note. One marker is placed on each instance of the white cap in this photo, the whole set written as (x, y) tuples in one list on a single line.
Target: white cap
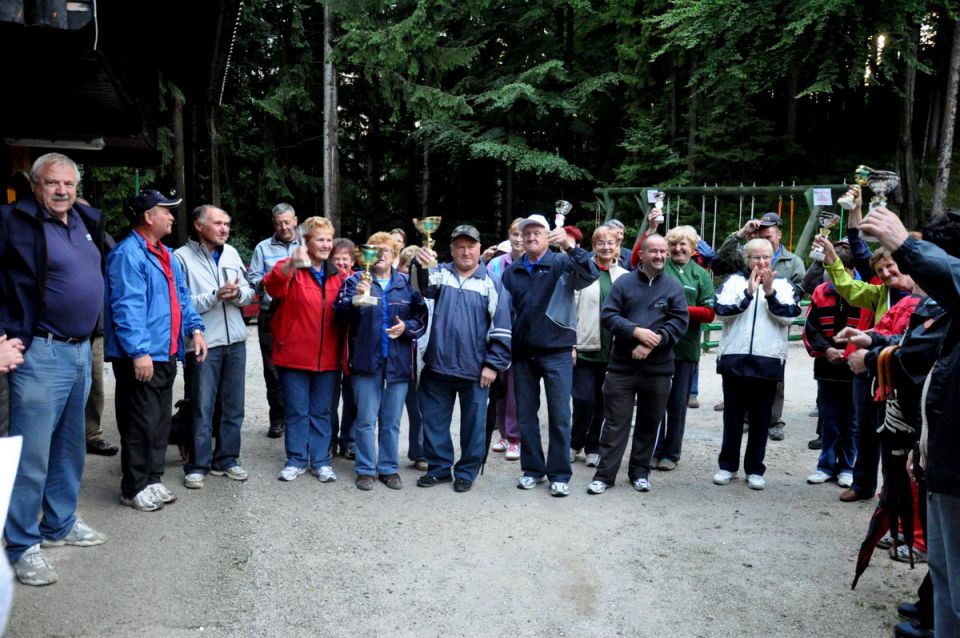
[(504, 246), (540, 220)]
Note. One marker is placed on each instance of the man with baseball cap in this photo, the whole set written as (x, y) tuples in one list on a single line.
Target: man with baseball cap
[(541, 286), (784, 263), (148, 317), (469, 345)]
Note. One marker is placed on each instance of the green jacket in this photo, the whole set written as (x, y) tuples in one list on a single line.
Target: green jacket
[(873, 297), (698, 289)]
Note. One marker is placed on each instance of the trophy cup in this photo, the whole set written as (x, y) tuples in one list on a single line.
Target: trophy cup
[(367, 256), (562, 207), (846, 201), (881, 183), (427, 226), (827, 221), (301, 263), (658, 206)]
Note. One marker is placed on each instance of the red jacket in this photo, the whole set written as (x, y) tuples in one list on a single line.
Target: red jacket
[(306, 335)]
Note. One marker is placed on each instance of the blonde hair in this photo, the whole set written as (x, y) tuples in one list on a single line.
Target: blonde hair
[(758, 243), (683, 233), (601, 232), (315, 224), (385, 239), (515, 226), (407, 255)]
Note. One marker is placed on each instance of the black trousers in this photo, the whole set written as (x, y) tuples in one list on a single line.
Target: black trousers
[(868, 441), (143, 419), (270, 374), (587, 406), (619, 391), (746, 396), (674, 422)]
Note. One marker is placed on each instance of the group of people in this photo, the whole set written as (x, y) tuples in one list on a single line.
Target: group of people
[(598, 327)]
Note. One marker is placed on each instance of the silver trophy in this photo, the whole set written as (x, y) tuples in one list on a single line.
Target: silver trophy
[(562, 208), (882, 183), (827, 221), (658, 198)]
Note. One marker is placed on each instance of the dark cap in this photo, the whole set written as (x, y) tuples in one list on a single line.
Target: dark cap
[(149, 198), (465, 230), (770, 219)]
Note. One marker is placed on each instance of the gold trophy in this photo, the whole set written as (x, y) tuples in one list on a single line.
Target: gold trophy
[(846, 201), (827, 221), (367, 256), (427, 226)]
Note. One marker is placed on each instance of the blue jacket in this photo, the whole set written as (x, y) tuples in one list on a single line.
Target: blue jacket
[(369, 347), (23, 263), (471, 322), (544, 310), (137, 308)]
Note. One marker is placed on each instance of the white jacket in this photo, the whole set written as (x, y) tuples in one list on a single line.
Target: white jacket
[(588, 312)]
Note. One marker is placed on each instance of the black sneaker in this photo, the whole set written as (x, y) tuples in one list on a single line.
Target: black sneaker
[(101, 448), (462, 485), (815, 444), (429, 481), (275, 431)]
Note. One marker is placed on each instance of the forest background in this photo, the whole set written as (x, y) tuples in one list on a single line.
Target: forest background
[(374, 112)]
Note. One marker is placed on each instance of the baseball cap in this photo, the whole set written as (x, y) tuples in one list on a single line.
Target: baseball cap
[(574, 232), (770, 219), (150, 197), (465, 230), (536, 218)]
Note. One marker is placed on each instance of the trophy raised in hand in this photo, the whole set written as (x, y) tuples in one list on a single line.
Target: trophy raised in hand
[(367, 256), (299, 259), (562, 208), (827, 221), (847, 201), (881, 182), (428, 226), (658, 206)]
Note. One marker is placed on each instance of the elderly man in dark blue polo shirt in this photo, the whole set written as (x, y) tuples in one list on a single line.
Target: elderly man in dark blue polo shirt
[(51, 293)]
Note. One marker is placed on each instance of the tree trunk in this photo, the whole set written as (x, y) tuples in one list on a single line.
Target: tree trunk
[(692, 118), (331, 158), (214, 130), (906, 166), (945, 157), (793, 82), (182, 227), (425, 184)]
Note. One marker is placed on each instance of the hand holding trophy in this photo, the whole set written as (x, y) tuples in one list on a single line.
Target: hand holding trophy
[(827, 221), (658, 206), (428, 226), (562, 208), (367, 256), (881, 182)]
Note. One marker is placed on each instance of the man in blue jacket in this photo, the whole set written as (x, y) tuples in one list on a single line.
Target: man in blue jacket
[(51, 292), (541, 286), (148, 315), (469, 345)]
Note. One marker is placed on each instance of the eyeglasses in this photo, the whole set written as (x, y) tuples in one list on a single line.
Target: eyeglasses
[(605, 243), (760, 257)]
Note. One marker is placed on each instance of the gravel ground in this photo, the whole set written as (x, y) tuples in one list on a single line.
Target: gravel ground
[(265, 558)]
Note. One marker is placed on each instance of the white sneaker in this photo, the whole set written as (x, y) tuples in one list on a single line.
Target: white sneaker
[(722, 477), (143, 501), (845, 479), (513, 451), (755, 482), (641, 484), (500, 445), (596, 487), (33, 568), (325, 474), (193, 480), (573, 454), (818, 477), (161, 493), (529, 482), (289, 473), (80, 535), (559, 489), (593, 460), (236, 473)]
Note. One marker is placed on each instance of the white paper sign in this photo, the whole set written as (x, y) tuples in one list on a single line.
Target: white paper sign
[(9, 461), (822, 197), (652, 196)]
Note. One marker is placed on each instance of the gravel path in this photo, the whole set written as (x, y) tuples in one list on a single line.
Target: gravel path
[(266, 558)]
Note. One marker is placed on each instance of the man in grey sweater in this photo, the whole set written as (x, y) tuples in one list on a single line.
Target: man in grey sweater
[(218, 289)]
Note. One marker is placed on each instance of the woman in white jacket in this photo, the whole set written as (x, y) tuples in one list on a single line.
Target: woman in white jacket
[(756, 308)]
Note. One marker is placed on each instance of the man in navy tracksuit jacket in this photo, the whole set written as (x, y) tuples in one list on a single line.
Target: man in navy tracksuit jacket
[(541, 286), (469, 345)]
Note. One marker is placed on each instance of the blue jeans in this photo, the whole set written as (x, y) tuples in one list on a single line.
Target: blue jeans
[(695, 383), (437, 394), (556, 370), (341, 425), (306, 416), (223, 371), (868, 441), (377, 399), (48, 394), (838, 427), (943, 554), (415, 418)]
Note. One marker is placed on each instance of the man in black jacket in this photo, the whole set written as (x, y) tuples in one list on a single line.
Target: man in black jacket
[(938, 273), (647, 314)]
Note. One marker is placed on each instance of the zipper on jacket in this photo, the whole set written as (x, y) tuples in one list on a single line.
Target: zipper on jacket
[(323, 315), (753, 326)]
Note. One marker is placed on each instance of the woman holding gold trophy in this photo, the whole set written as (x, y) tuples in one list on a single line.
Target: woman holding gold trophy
[(385, 316), (307, 348)]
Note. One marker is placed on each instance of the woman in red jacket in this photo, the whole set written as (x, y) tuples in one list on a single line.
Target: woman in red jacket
[(307, 348)]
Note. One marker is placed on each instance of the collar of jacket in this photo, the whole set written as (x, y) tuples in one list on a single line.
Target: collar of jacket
[(642, 276), (479, 273), (32, 209)]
